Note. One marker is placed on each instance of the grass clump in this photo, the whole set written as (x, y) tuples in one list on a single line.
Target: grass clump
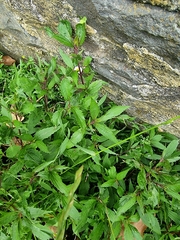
[(71, 167)]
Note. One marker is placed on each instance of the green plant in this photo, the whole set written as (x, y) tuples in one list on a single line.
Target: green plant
[(52, 122)]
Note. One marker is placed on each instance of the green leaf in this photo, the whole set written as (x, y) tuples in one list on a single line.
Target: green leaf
[(66, 58), (106, 132), (66, 89), (69, 205), (15, 168), (46, 132), (154, 197), (75, 138), (32, 157), (97, 231), (174, 216), (112, 172), (122, 174), (80, 34), (75, 77), (65, 28), (94, 109), (26, 84), (109, 183), (170, 149), (5, 111), (112, 112), (141, 179), (94, 88), (128, 233), (52, 66), (79, 116), (12, 151), (7, 217), (37, 212), (57, 182), (151, 221), (83, 20), (65, 33), (37, 231), (77, 179), (57, 117), (86, 150), (42, 166), (127, 205), (87, 60), (61, 39), (172, 191), (42, 146), (28, 107), (15, 231), (63, 146)]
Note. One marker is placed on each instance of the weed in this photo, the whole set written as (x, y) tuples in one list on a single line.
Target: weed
[(71, 168)]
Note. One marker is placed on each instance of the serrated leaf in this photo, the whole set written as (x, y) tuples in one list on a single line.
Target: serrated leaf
[(37, 231), (46, 132), (64, 36), (66, 88), (170, 191), (94, 109), (12, 151), (154, 197), (151, 221), (7, 217), (94, 88), (66, 59), (170, 149), (80, 34), (141, 179), (65, 28), (127, 205), (79, 116), (57, 182), (112, 112), (106, 132), (37, 212), (174, 216)]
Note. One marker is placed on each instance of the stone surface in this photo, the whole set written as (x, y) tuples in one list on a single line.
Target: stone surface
[(171, 5), (135, 45)]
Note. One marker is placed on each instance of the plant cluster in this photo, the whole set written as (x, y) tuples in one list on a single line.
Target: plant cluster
[(73, 164)]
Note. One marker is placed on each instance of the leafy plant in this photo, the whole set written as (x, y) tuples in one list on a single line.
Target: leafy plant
[(73, 164)]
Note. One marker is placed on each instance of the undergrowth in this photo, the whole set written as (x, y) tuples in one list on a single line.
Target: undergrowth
[(74, 165)]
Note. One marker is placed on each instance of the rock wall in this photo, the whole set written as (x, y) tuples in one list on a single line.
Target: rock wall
[(135, 46)]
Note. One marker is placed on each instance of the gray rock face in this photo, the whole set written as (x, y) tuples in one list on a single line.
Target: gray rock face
[(135, 47)]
